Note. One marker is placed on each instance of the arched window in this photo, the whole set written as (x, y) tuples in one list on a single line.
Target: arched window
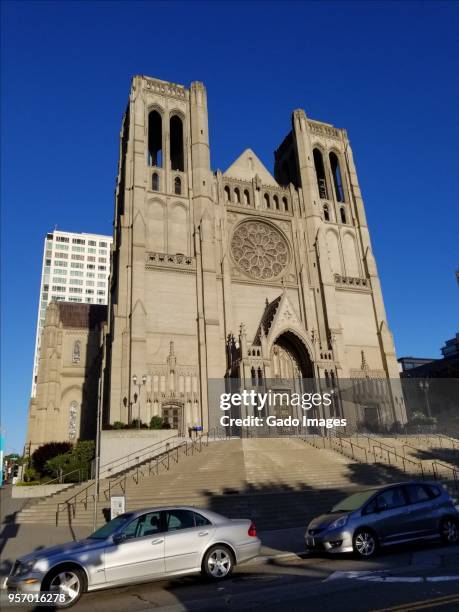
[(276, 202), (237, 196), (254, 377), (342, 213), (155, 181), (155, 139), (246, 197), (337, 180), (326, 213), (267, 201), (320, 174), (76, 353), (285, 203), (176, 144), (227, 194), (260, 376), (177, 185)]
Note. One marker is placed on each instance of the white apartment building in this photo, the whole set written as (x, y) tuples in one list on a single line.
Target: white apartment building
[(76, 268)]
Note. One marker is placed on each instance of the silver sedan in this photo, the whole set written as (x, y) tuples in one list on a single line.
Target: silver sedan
[(138, 547)]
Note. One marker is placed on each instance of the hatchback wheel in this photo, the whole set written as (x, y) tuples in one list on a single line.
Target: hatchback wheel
[(68, 584), (365, 543), (449, 531), (218, 562)]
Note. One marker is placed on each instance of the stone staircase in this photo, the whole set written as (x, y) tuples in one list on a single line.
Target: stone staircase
[(278, 482)]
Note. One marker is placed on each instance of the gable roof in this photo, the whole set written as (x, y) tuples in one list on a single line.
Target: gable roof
[(247, 166)]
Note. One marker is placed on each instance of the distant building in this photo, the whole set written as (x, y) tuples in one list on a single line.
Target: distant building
[(75, 268), (408, 363), (65, 404), (451, 347)]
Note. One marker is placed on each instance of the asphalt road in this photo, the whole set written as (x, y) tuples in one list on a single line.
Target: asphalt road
[(394, 580)]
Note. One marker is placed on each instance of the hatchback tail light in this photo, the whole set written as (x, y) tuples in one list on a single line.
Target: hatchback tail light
[(252, 530)]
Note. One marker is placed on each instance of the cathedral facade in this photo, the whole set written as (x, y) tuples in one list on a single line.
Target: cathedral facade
[(243, 274)]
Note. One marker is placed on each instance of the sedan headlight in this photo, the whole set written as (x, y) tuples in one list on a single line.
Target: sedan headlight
[(25, 567), (339, 522)]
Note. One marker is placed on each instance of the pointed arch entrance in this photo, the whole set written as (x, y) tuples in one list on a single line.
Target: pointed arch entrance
[(292, 371)]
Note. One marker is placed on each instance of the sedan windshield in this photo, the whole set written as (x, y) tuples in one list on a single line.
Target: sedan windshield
[(107, 530), (353, 502)]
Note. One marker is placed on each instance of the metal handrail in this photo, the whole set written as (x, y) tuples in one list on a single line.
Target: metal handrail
[(61, 476), (160, 459), (448, 467), (135, 454)]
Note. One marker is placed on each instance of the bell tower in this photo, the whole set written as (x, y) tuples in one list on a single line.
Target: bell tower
[(163, 238)]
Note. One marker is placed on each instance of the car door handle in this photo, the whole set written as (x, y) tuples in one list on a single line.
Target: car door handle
[(203, 533), (159, 541)]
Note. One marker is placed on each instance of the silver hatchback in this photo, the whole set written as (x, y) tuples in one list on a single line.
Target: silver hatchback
[(138, 547), (386, 515)]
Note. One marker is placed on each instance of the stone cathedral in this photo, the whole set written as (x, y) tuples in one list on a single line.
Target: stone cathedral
[(245, 274)]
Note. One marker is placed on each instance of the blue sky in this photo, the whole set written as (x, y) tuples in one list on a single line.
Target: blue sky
[(385, 71)]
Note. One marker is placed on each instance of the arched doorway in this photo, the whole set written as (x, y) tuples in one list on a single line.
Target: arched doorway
[(292, 371)]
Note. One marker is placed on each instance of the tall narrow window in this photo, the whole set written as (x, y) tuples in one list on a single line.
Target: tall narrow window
[(285, 203), (176, 148), (326, 213), (342, 213), (276, 202), (227, 194), (267, 201), (320, 174), (237, 196), (177, 185), (155, 139), (155, 181), (337, 180), (246, 198)]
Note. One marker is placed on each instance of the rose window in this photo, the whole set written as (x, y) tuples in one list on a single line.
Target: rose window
[(259, 250)]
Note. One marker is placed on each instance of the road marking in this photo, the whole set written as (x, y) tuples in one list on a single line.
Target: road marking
[(378, 576), (422, 604)]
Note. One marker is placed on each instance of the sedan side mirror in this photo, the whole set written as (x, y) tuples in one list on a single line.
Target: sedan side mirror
[(118, 538)]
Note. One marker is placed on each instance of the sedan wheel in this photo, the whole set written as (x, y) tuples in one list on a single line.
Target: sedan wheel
[(449, 531), (218, 562), (365, 544), (67, 585)]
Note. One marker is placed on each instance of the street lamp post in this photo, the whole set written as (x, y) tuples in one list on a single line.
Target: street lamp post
[(424, 385), (137, 396)]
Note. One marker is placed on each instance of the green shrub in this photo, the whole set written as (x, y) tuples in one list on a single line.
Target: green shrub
[(419, 418), (48, 451), (118, 425), (30, 474), (156, 422)]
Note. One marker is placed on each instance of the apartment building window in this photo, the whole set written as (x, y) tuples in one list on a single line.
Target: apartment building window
[(58, 279), (75, 264), (102, 260), (99, 292), (102, 244), (101, 284), (57, 288), (101, 267), (90, 291), (91, 266), (92, 243), (90, 275), (75, 299), (76, 273), (61, 264), (62, 239), (76, 281), (62, 247), (75, 290), (92, 250), (78, 241), (78, 249), (90, 283), (99, 301), (76, 256), (91, 258), (101, 276), (61, 256)]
